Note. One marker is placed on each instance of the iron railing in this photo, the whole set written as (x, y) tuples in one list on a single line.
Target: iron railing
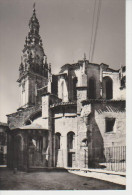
[(109, 158)]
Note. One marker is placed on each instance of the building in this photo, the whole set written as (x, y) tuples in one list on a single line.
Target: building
[(3, 143), (68, 119)]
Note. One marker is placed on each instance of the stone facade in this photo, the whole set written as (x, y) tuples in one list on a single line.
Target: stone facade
[(67, 119), (3, 143)]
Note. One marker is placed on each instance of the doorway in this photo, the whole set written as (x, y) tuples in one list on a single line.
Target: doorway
[(69, 159), (71, 149)]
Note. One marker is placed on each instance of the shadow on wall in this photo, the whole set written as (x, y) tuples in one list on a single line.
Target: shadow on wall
[(95, 145), (57, 147)]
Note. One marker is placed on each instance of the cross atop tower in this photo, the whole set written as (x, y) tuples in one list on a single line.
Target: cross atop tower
[(84, 56), (34, 7)]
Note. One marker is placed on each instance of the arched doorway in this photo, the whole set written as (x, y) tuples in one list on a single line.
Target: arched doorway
[(107, 88), (92, 88), (71, 148)]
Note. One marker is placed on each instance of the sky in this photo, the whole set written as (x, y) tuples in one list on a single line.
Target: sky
[(65, 29)]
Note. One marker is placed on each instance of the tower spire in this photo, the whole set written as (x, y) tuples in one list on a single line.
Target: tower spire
[(33, 71), (33, 52)]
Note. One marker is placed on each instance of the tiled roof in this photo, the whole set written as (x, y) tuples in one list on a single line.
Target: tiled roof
[(20, 110), (63, 104), (101, 100), (110, 70), (33, 126)]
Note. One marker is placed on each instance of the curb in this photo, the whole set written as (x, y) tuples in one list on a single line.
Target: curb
[(105, 176), (123, 174)]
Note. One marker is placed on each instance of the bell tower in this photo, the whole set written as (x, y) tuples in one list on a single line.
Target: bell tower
[(33, 70)]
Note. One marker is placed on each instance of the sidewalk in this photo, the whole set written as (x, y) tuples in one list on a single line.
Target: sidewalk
[(114, 177)]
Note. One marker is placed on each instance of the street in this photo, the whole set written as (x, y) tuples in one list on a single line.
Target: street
[(51, 181)]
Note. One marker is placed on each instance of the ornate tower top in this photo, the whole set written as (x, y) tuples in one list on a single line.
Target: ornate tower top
[(33, 22), (33, 56)]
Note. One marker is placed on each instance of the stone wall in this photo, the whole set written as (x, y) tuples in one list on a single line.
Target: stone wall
[(81, 126), (17, 150), (93, 129), (24, 154), (3, 143), (92, 71), (65, 121), (82, 134), (110, 110), (29, 89)]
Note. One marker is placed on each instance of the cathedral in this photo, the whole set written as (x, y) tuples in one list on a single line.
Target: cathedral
[(66, 119)]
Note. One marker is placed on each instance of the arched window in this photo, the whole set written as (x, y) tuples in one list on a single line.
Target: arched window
[(62, 90), (57, 137), (107, 88), (71, 140), (74, 88), (92, 88)]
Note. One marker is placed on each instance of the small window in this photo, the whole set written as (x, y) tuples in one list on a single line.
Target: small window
[(109, 124), (123, 82), (84, 142), (123, 69)]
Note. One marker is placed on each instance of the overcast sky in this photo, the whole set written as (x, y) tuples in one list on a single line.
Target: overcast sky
[(65, 28)]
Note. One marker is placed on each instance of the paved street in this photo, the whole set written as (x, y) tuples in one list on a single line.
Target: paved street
[(51, 181)]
